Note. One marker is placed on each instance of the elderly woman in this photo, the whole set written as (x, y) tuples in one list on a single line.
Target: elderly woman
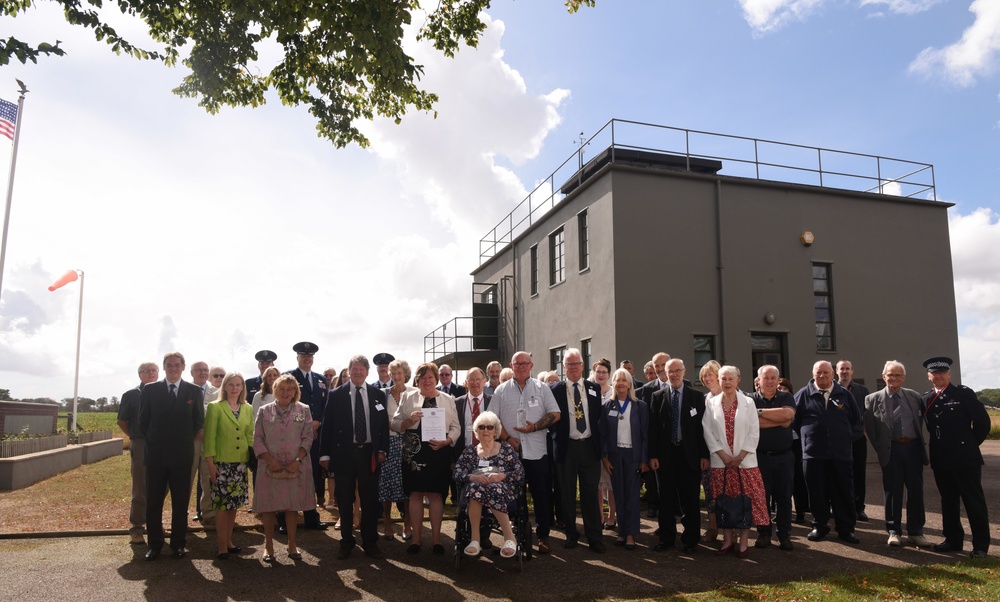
[(731, 432), (282, 436), (228, 437), (426, 461), (493, 473), (390, 480), (600, 373), (625, 431), (709, 377)]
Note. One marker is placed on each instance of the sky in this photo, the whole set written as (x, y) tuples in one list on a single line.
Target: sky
[(219, 235)]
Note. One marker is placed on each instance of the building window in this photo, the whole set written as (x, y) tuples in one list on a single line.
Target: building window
[(704, 351), (533, 269), (557, 257), (823, 298), (768, 349), (586, 349), (581, 221), (556, 356)]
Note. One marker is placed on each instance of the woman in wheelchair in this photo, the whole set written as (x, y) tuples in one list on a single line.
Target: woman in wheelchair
[(491, 475)]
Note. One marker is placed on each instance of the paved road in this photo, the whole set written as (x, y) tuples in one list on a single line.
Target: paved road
[(106, 568)]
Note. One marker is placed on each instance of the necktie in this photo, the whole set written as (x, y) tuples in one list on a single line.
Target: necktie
[(896, 412), (826, 398), (581, 420), (675, 406), (360, 426), (173, 391), (475, 414)]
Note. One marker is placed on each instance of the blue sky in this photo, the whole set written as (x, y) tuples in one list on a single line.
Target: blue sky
[(221, 235)]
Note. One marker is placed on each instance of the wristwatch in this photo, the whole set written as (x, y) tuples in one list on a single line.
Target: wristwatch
[(760, 412)]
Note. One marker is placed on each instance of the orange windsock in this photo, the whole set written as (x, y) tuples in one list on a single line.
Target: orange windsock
[(65, 279)]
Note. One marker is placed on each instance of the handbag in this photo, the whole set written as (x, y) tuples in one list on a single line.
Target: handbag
[(733, 511)]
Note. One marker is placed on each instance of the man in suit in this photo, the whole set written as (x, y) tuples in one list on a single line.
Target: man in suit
[(170, 415), (826, 417), (199, 466), (445, 375), (312, 387), (577, 450), (382, 361), (354, 444), (859, 447), (128, 422), (678, 454), (957, 424), (657, 381), (894, 424), (265, 359)]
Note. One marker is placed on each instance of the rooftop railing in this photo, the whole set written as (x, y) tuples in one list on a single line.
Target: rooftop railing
[(740, 156)]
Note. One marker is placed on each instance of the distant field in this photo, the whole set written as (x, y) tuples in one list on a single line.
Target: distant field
[(93, 421)]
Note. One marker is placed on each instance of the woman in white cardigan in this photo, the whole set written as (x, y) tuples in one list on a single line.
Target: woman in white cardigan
[(732, 429)]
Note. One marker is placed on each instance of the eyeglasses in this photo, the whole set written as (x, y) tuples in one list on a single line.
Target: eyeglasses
[(218, 376), (485, 427)]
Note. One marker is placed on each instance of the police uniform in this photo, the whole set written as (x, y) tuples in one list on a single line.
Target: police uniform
[(958, 424)]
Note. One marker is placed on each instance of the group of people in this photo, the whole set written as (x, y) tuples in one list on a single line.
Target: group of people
[(410, 443)]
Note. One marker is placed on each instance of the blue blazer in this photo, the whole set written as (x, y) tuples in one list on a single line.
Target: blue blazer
[(638, 420)]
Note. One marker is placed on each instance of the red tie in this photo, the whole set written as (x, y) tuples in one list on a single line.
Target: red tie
[(475, 414)]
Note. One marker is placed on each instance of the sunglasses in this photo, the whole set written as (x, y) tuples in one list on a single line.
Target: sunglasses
[(486, 427), (218, 376)]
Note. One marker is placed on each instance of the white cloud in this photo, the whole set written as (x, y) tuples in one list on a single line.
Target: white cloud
[(972, 56), (903, 7), (765, 16), (976, 258)]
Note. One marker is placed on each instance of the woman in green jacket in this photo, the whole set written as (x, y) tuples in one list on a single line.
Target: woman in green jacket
[(228, 439)]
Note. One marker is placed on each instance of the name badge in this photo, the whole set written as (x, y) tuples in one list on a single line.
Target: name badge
[(379, 407), (694, 412), (612, 412), (484, 463), (533, 402)]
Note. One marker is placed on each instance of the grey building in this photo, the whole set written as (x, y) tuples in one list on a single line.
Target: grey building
[(709, 246)]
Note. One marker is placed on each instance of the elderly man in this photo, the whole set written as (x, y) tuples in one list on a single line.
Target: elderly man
[(649, 372), (128, 422), (894, 424), (859, 450), (775, 410), (679, 454), (199, 467), (526, 409), (826, 416), (577, 450), (170, 415), (493, 370), (957, 424), (265, 359), (312, 386), (446, 376)]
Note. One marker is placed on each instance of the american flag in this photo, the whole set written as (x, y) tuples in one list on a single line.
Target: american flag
[(8, 117)]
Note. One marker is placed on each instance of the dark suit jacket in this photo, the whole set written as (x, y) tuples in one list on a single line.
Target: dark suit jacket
[(638, 420), (337, 433), (878, 423), (316, 397), (859, 392), (169, 425), (645, 392), (461, 405), (692, 433), (454, 390), (560, 430)]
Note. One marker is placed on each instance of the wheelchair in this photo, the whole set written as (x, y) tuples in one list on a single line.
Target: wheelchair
[(520, 523)]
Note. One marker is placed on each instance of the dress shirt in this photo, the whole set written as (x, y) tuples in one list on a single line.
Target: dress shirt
[(571, 406)]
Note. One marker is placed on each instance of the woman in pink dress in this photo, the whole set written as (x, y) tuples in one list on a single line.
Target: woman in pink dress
[(282, 436), (731, 433)]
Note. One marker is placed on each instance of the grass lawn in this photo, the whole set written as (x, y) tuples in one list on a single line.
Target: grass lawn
[(93, 421)]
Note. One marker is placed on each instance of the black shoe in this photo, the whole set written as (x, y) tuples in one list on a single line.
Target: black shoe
[(978, 554), (862, 517), (197, 518), (651, 513), (597, 547), (235, 550), (180, 553), (152, 553), (818, 533), (785, 543), (437, 549), (619, 542), (570, 544), (372, 551), (344, 552), (763, 541), (849, 537), (800, 518), (690, 549), (663, 546), (320, 526), (222, 555), (946, 546)]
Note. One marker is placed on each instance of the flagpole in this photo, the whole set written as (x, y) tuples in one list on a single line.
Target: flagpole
[(10, 181), (79, 331)]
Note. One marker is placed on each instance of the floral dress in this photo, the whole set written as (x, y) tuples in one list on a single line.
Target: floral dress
[(500, 495), (390, 480), (753, 483), (282, 434)]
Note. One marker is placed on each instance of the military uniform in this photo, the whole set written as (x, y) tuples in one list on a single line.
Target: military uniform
[(958, 424), (313, 392)]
